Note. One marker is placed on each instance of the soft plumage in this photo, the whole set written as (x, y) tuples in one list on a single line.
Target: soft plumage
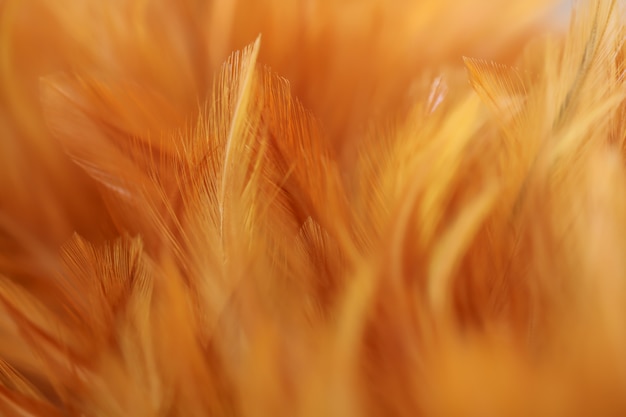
[(311, 208)]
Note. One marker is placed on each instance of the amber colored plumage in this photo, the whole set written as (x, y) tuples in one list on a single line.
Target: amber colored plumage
[(312, 208)]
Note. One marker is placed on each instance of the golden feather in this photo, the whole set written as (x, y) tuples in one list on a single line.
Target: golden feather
[(376, 208)]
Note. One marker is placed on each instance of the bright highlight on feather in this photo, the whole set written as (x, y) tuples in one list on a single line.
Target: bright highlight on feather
[(312, 208)]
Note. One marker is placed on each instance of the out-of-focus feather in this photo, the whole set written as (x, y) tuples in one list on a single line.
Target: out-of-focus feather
[(134, 170), (293, 255), (333, 35), (59, 337)]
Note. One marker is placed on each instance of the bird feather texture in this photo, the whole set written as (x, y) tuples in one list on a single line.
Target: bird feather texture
[(311, 208)]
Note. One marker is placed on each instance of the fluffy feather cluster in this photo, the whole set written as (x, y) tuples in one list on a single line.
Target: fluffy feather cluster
[(389, 230)]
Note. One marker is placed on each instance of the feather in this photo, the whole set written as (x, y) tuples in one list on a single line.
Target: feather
[(346, 219)]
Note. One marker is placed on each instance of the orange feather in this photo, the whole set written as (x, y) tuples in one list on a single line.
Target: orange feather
[(375, 208)]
